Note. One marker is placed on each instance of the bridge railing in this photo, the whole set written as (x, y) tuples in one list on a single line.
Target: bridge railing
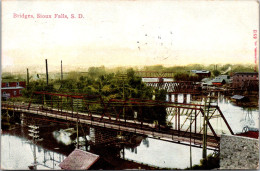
[(106, 122)]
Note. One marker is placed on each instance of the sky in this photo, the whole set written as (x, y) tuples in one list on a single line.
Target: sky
[(127, 33)]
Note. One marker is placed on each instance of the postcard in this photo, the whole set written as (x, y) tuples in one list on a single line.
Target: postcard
[(129, 84)]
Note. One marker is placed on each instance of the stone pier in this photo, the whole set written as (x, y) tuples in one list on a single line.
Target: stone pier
[(238, 152)]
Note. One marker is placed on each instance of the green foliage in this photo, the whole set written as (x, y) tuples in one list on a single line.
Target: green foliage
[(211, 162), (106, 84), (216, 73)]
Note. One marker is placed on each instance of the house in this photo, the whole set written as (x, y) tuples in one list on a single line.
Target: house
[(221, 80), (218, 82), (245, 80), (12, 88), (201, 73)]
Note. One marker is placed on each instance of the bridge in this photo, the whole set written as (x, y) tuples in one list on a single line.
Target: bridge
[(154, 74), (177, 87), (187, 120)]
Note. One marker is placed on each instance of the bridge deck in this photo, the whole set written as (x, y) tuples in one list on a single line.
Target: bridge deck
[(121, 125)]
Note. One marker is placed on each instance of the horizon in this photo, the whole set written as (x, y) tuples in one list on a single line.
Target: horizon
[(68, 69)]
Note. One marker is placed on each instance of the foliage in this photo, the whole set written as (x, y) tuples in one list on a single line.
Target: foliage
[(211, 162), (216, 73), (105, 84)]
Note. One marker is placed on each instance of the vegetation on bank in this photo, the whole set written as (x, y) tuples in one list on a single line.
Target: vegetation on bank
[(211, 162)]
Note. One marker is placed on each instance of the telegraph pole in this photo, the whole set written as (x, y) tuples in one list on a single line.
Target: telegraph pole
[(77, 125), (191, 117), (61, 74), (123, 77), (204, 151), (34, 133), (27, 77), (47, 79)]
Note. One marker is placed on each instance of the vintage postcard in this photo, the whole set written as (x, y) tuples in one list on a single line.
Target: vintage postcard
[(129, 84)]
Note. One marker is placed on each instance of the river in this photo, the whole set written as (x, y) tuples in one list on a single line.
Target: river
[(17, 150)]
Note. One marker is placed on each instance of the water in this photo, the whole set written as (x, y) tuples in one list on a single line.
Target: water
[(18, 153), (164, 154), (17, 149)]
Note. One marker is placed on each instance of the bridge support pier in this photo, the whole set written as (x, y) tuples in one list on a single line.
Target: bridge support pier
[(170, 97), (175, 97), (184, 98), (22, 119)]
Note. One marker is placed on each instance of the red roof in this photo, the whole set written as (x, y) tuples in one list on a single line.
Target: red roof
[(251, 134), (79, 160)]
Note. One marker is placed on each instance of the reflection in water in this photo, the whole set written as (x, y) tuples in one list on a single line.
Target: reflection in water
[(248, 120), (238, 117), (164, 154), (17, 153), (62, 136)]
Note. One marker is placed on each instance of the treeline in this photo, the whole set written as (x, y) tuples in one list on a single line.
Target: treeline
[(229, 68), (94, 71), (109, 86)]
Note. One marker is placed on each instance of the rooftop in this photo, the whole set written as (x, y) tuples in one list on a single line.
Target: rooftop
[(79, 160), (10, 88), (251, 134), (237, 97), (200, 71), (218, 80)]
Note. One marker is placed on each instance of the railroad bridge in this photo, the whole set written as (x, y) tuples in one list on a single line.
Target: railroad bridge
[(154, 74), (186, 120)]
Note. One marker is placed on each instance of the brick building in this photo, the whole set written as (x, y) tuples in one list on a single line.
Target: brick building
[(245, 80), (11, 89)]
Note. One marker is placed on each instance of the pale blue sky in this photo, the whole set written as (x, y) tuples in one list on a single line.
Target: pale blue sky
[(129, 33)]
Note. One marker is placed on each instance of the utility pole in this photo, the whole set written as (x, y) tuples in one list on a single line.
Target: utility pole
[(47, 79), (77, 126), (191, 117), (204, 151), (27, 78), (123, 77), (34, 133), (61, 74)]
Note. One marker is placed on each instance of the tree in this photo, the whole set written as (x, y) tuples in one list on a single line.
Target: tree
[(216, 73)]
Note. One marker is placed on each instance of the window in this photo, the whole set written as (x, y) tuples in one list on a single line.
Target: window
[(17, 84), (4, 92), (20, 91), (14, 93), (7, 84)]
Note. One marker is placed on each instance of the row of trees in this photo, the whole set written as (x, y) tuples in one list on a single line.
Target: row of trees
[(109, 86)]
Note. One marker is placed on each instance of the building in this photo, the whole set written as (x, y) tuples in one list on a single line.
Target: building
[(245, 80), (201, 73), (11, 89), (221, 80)]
